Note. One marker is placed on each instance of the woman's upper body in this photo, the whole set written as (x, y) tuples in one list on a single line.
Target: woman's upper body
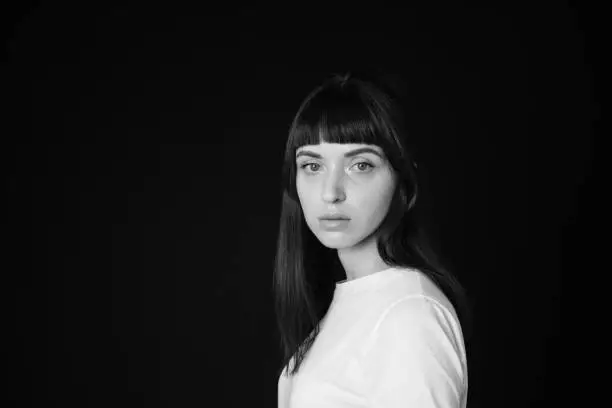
[(389, 339)]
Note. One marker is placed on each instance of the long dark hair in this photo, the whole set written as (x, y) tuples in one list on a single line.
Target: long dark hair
[(348, 109)]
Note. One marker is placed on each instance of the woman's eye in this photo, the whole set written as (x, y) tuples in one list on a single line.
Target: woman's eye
[(308, 164), (364, 163)]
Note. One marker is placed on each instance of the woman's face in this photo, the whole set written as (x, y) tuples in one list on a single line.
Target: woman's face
[(344, 179)]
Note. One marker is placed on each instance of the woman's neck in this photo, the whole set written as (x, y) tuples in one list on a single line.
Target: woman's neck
[(360, 261)]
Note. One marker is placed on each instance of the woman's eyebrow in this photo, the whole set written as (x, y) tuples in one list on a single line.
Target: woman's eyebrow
[(347, 154)]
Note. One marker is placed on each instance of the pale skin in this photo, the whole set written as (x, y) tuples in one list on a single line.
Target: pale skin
[(349, 185)]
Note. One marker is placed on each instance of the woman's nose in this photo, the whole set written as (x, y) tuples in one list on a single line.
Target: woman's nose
[(333, 188)]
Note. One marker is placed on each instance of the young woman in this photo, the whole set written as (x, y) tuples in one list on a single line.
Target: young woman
[(389, 334)]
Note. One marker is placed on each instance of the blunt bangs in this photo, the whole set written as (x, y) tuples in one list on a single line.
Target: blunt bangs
[(338, 115)]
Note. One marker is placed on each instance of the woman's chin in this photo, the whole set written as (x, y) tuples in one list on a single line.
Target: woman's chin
[(334, 241)]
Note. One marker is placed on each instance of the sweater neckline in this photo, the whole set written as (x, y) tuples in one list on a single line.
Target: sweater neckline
[(368, 282)]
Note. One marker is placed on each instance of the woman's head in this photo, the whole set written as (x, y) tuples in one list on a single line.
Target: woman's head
[(323, 173)]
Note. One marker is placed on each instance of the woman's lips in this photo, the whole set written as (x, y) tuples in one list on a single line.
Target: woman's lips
[(334, 224)]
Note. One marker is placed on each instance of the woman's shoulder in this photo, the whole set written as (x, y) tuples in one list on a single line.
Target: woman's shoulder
[(412, 288)]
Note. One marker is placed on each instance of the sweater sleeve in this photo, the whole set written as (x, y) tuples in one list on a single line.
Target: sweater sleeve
[(285, 386), (283, 390), (414, 359)]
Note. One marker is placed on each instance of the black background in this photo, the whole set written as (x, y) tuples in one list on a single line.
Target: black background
[(142, 148)]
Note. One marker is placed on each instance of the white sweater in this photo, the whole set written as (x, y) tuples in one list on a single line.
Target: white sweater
[(390, 339)]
